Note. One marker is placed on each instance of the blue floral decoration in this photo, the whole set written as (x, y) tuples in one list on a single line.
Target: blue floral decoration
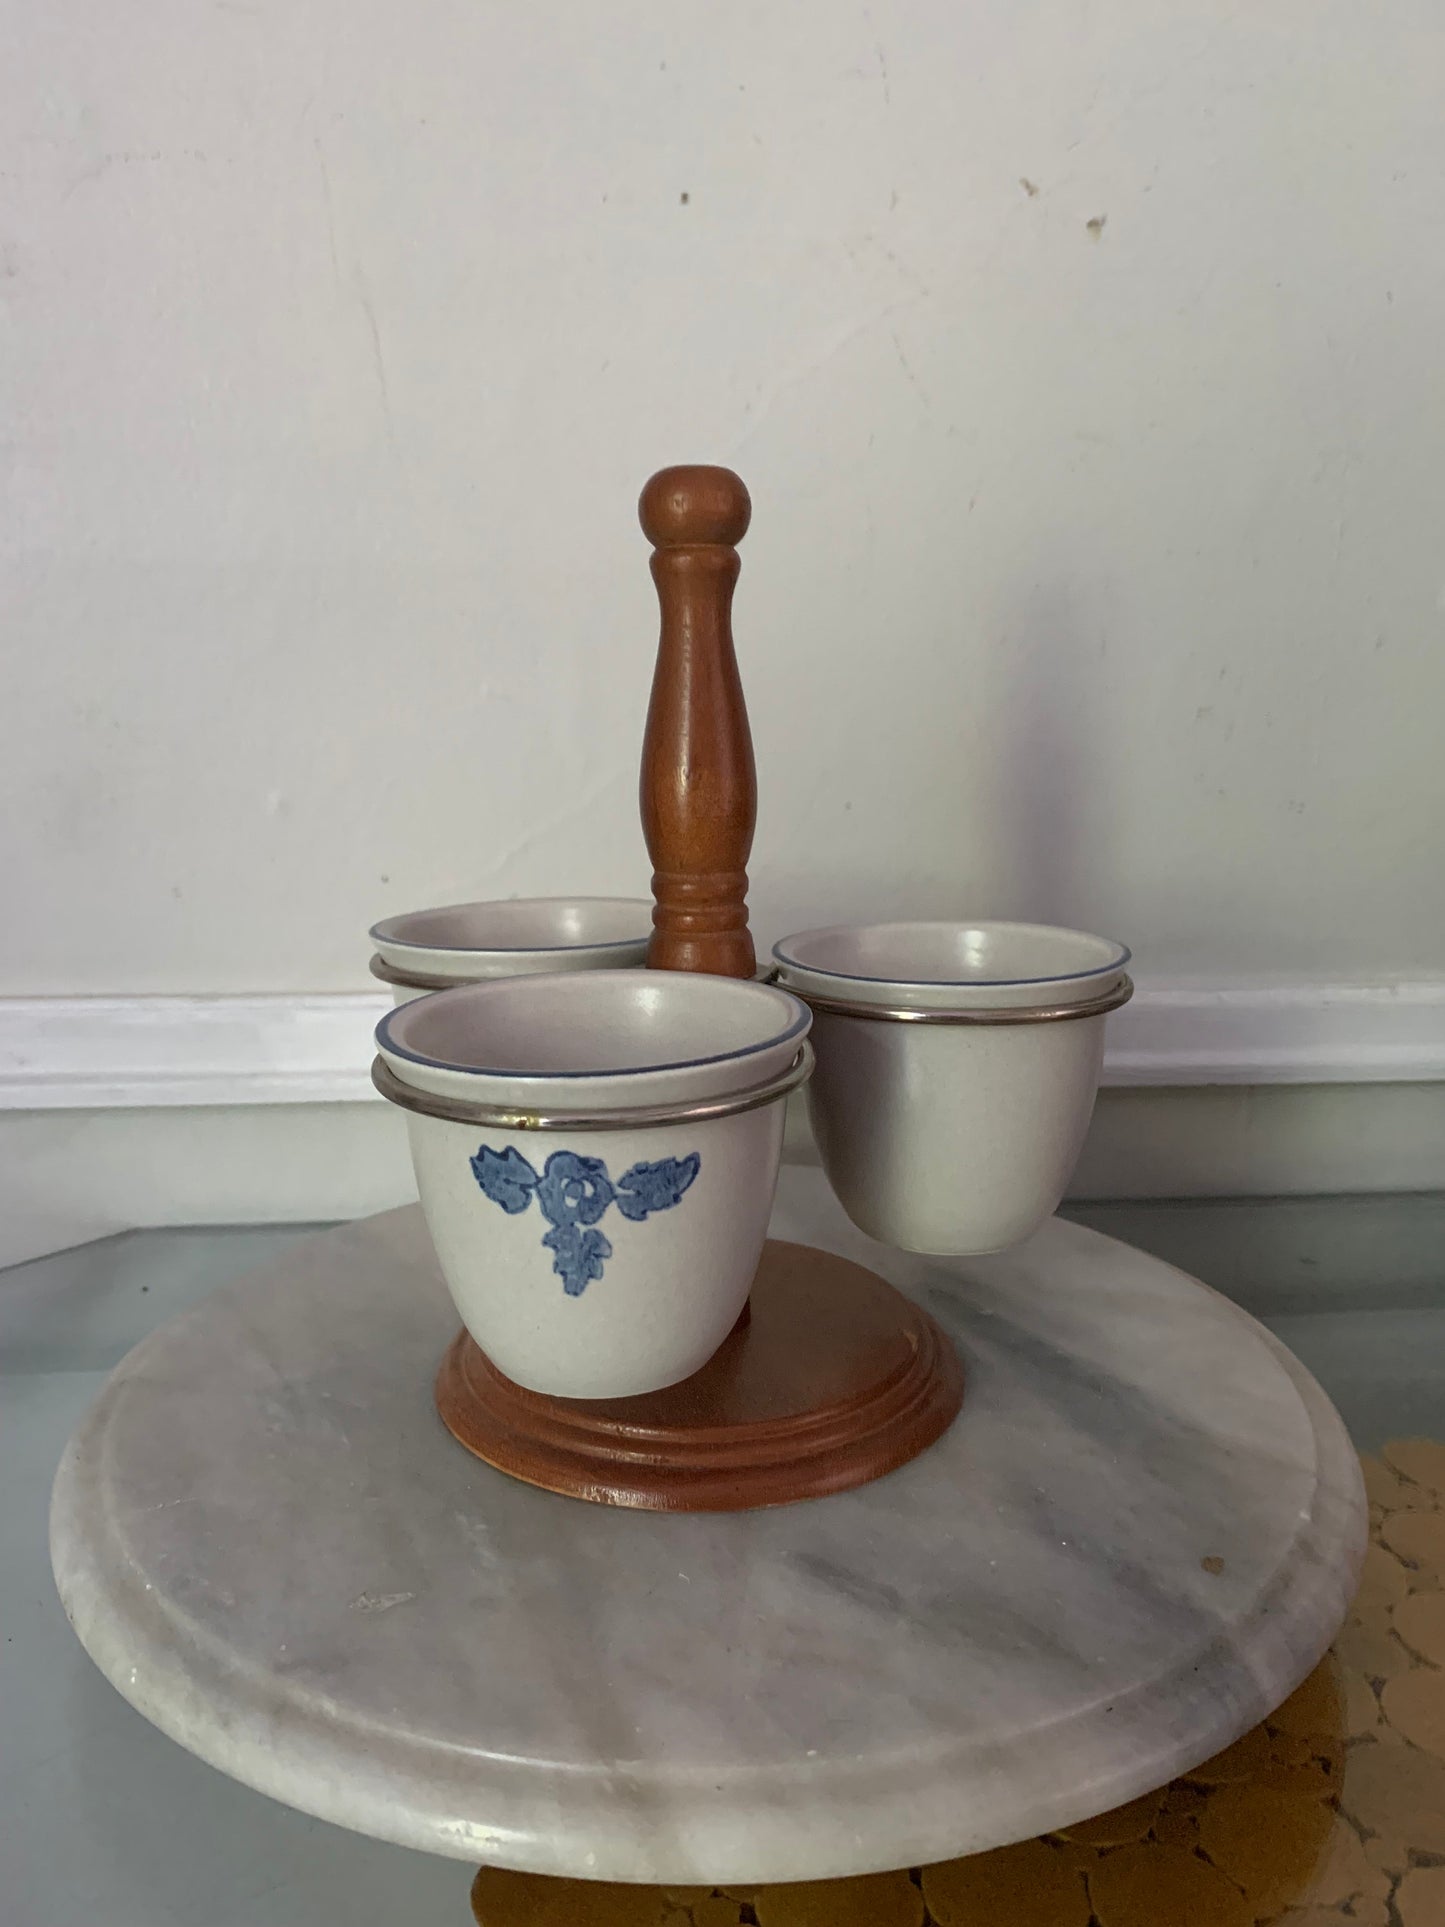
[(572, 1189), (655, 1187), (577, 1256), (573, 1192), (506, 1177)]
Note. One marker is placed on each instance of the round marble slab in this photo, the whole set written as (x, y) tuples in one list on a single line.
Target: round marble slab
[(1140, 1534)]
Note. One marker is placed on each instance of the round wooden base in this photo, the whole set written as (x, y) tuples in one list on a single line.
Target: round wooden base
[(835, 1379)]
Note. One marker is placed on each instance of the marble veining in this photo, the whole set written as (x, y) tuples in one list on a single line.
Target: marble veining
[(268, 1543)]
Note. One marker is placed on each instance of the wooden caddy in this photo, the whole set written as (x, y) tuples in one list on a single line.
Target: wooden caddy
[(831, 1377)]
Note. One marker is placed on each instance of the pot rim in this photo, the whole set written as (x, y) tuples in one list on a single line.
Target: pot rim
[(389, 929), (1118, 961), (793, 1031)]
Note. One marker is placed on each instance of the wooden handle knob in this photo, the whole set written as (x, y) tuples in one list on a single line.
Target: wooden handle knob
[(699, 787)]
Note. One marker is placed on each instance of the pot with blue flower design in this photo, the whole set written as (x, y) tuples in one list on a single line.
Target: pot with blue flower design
[(465, 943), (596, 1156)]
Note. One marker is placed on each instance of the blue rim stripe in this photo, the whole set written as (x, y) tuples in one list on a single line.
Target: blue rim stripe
[(509, 949), (377, 932), (961, 983)]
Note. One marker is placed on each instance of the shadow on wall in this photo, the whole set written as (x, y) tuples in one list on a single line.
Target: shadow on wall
[(1003, 740), (1049, 770)]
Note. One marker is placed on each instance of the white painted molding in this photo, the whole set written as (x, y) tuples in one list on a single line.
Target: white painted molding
[(105, 1053), (1270, 1032)]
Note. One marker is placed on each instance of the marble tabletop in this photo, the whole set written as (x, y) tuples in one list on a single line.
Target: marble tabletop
[(1140, 1534)]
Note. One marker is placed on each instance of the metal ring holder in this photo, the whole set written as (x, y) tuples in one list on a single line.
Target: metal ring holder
[(458, 1110), (1005, 1014)]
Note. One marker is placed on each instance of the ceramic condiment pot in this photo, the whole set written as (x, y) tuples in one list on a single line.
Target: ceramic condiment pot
[(957, 1065), (596, 1156), (426, 950)]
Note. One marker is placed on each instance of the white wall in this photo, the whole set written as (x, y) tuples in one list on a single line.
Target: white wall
[(1084, 364), (1095, 575)]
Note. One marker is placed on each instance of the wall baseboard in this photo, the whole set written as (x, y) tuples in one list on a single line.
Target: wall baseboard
[(145, 1053), (1274, 1032)]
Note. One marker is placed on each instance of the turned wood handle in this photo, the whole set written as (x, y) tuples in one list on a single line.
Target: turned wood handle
[(699, 787)]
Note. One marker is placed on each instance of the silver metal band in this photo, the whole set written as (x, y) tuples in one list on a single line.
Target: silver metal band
[(697, 1110), (1021, 1014)]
